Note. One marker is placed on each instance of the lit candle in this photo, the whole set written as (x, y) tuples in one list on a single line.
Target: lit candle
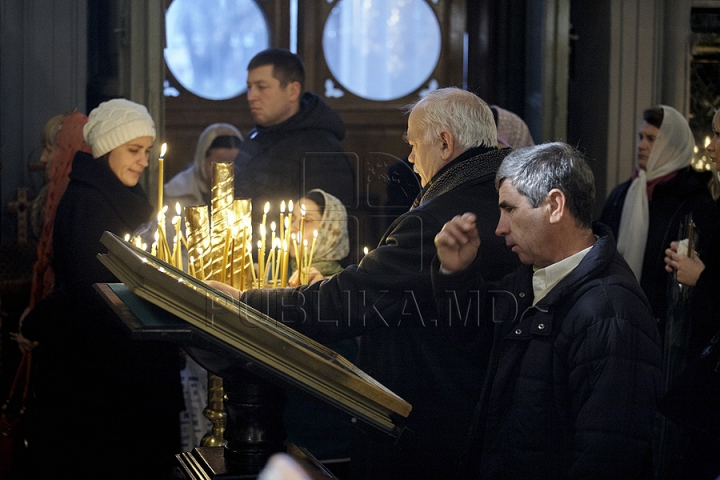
[(161, 175), (284, 265), (265, 212), (261, 254), (365, 250), (301, 236), (289, 217), (260, 281), (282, 220), (278, 262), (272, 235)]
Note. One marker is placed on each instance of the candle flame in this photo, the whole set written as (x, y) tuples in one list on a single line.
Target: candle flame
[(290, 206), (272, 227), (177, 208), (365, 250), (267, 207), (302, 209), (163, 149), (127, 237), (282, 207)]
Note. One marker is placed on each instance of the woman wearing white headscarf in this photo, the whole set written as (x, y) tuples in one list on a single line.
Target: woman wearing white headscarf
[(645, 213), (316, 426), (326, 214)]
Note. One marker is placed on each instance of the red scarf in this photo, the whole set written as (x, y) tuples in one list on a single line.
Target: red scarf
[(69, 141)]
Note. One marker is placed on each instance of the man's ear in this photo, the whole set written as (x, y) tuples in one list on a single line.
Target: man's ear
[(294, 90), (448, 146), (556, 203)]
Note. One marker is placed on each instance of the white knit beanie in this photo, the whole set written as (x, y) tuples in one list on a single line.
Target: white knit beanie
[(116, 122)]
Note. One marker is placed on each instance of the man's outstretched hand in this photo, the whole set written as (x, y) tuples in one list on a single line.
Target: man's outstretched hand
[(457, 243)]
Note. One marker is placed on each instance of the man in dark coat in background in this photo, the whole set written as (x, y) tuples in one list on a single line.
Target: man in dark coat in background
[(295, 144), (388, 300), (575, 370)]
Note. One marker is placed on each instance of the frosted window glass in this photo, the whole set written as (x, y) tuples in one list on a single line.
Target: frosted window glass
[(210, 42), (382, 49)]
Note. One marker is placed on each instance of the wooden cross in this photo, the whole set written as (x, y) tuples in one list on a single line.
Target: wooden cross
[(22, 207)]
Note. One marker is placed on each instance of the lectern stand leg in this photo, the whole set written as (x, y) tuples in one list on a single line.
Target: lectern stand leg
[(254, 431)]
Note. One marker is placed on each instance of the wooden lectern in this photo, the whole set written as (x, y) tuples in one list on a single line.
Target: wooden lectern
[(257, 357)]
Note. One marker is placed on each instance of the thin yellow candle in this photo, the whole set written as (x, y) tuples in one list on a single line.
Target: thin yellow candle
[(277, 262), (312, 248), (260, 279), (301, 237), (252, 267), (161, 175), (282, 220), (284, 267), (173, 259), (261, 253), (191, 265), (272, 234), (271, 263), (289, 217), (242, 257), (298, 260), (305, 267)]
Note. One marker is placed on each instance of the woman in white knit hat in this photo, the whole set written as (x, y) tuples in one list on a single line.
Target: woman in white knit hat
[(109, 406)]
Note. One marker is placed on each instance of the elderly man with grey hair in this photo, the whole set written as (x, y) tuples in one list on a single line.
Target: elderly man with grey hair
[(574, 373), (388, 297)]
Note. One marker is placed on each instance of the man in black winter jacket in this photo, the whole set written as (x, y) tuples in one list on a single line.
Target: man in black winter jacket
[(387, 298), (295, 144), (574, 374)]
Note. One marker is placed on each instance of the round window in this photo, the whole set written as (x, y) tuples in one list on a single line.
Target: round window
[(382, 50), (210, 43)]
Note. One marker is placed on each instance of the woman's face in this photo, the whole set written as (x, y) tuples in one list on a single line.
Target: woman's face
[(313, 218), (646, 139), (713, 145), (128, 161)]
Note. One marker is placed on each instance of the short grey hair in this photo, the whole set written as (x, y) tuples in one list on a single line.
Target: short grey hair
[(534, 171), (465, 115)]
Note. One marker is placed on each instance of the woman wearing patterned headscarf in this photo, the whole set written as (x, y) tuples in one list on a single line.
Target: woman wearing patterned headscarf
[(326, 214), (321, 429), (645, 212)]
